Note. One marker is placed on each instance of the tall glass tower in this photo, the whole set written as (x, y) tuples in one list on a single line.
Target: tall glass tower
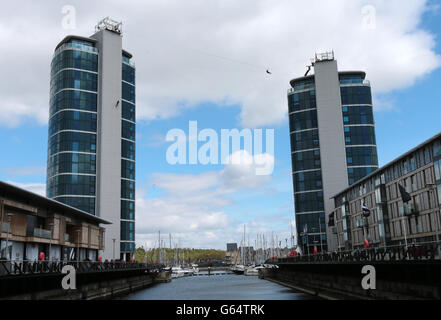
[(333, 144), (91, 149)]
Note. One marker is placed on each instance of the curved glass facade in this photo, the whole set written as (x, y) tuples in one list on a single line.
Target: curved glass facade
[(92, 91), (361, 150), (358, 120), (128, 128), (71, 170), (306, 164)]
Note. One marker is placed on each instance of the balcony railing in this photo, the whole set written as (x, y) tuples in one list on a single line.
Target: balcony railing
[(70, 46), (355, 82), (301, 88), (42, 233), (5, 227)]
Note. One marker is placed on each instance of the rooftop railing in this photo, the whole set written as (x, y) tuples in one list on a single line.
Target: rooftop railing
[(73, 46), (300, 88), (355, 81)]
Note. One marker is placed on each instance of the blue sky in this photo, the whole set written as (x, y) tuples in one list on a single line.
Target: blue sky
[(220, 81)]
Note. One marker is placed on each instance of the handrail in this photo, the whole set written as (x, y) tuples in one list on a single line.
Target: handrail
[(21, 267), (427, 251)]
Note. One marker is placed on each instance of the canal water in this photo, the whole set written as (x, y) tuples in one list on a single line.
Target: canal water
[(218, 287)]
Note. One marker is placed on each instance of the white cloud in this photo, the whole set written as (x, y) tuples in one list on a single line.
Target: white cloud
[(193, 205), (241, 172), (26, 171), (38, 188), (194, 51)]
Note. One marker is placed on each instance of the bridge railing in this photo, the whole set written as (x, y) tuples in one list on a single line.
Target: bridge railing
[(8, 268), (428, 251)]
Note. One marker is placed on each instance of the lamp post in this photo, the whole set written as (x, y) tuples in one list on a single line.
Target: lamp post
[(78, 255), (114, 248), (403, 223), (338, 240), (99, 244), (320, 230), (51, 225), (433, 187), (7, 236)]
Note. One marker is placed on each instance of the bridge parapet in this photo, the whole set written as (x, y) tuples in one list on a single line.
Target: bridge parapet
[(17, 268), (419, 252)]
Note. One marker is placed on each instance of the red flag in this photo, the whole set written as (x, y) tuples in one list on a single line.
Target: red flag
[(366, 244)]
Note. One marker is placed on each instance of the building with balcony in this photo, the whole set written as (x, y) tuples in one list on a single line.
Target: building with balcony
[(333, 144), (31, 224), (392, 221), (91, 144)]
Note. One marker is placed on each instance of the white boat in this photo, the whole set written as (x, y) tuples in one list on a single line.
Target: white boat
[(178, 272), (195, 268), (188, 271), (253, 271), (238, 269)]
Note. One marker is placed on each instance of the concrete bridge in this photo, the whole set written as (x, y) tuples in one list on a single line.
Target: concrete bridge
[(400, 273), (94, 280)]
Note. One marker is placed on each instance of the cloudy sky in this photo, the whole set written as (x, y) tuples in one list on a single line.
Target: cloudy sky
[(206, 60)]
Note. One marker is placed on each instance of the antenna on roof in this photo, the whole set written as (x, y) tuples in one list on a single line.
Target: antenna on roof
[(109, 24)]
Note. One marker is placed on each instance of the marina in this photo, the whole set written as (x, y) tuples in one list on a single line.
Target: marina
[(217, 287)]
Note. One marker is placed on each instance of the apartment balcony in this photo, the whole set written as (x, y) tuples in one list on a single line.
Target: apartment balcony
[(42, 233), (5, 227)]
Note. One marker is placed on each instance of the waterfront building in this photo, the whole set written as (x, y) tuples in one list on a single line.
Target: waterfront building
[(231, 247), (391, 220), (91, 145), (333, 144), (31, 224)]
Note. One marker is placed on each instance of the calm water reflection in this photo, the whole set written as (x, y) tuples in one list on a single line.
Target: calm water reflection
[(218, 287)]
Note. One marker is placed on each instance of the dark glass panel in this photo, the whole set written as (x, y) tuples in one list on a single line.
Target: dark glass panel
[(72, 120), (71, 163), (72, 141), (71, 185), (73, 99), (356, 95)]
